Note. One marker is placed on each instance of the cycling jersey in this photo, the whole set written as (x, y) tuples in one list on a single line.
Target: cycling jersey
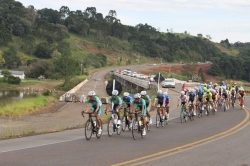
[(183, 99), (225, 93), (160, 99), (208, 95), (191, 96), (147, 99), (200, 94), (94, 104), (167, 99), (127, 100), (139, 105), (117, 101), (214, 96)]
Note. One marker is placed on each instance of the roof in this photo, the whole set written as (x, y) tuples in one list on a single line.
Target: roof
[(14, 72)]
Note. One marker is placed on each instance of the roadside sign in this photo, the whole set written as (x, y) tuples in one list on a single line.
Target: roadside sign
[(109, 87), (159, 76)]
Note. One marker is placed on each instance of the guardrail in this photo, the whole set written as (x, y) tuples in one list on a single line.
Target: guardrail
[(137, 81)]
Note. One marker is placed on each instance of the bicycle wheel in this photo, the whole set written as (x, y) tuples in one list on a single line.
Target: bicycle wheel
[(88, 129), (148, 125), (119, 129), (213, 111), (158, 119), (99, 135), (124, 123), (110, 127), (135, 129), (141, 130), (224, 107), (182, 116)]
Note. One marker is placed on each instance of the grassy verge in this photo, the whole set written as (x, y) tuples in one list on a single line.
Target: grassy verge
[(25, 106)]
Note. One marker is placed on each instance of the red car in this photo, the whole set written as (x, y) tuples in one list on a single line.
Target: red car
[(190, 85)]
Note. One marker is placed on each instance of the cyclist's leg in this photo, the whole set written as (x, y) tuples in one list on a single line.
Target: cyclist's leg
[(98, 117)]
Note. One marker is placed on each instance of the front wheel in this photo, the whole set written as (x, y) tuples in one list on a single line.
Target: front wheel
[(124, 123), (97, 134), (88, 129), (158, 120), (110, 127), (135, 129)]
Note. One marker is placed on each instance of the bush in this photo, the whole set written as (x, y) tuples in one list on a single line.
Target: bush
[(46, 92), (14, 80)]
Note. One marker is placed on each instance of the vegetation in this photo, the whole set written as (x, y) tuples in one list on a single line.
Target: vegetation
[(53, 43), (25, 106)]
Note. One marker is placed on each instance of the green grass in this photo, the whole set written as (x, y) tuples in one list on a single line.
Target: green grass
[(25, 106)]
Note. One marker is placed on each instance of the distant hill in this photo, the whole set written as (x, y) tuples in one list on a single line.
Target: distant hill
[(63, 40)]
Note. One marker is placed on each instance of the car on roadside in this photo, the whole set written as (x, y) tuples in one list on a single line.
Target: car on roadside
[(168, 83), (190, 85)]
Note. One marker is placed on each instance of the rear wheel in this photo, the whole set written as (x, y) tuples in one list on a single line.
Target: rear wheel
[(158, 119), (97, 134), (88, 129), (135, 129), (124, 123), (110, 127), (182, 116), (119, 129)]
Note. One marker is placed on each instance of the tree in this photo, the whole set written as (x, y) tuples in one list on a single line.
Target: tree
[(42, 67), (2, 61), (189, 70), (5, 34), (30, 43), (199, 35), (11, 58), (201, 75), (43, 50)]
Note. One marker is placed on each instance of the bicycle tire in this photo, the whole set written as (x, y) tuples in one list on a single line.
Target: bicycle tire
[(158, 119), (186, 117), (119, 129), (99, 135), (124, 123), (182, 116), (135, 129), (110, 127), (88, 129), (141, 131), (148, 126)]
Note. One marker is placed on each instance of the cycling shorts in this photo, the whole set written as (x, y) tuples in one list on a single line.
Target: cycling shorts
[(183, 103), (200, 99), (144, 112), (114, 108), (99, 112)]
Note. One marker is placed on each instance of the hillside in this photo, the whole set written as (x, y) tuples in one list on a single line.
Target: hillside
[(57, 43)]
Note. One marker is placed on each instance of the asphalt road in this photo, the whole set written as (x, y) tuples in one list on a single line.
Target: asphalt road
[(220, 139)]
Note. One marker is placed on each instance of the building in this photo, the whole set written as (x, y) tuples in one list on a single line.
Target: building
[(19, 74)]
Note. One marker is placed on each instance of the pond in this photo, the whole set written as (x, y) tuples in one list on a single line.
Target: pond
[(10, 96)]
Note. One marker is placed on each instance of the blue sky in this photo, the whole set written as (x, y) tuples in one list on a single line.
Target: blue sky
[(220, 19)]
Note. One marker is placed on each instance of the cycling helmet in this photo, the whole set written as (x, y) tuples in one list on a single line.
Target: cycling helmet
[(115, 92), (205, 89), (182, 93), (159, 92), (143, 93), (91, 93), (192, 90), (137, 96), (126, 94), (209, 86), (165, 93)]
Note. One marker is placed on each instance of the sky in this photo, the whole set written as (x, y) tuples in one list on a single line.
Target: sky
[(221, 19)]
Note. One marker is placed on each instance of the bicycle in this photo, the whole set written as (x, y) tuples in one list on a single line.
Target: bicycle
[(191, 116), (184, 113), (125, 121), (233, 98), (199, 108), (158, 117), (137, 125), (113, 126), (91, 126), (241, 99)]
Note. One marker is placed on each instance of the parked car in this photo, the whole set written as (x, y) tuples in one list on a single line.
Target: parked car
[(190, 85), (168, 83), (142, 76), (134, 74)]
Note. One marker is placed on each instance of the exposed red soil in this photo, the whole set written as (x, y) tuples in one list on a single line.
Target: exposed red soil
[(175, 69)]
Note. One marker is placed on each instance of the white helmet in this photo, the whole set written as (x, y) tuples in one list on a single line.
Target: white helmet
[(159, 92), (143, 93), (182, 92), (126, 94), (137, 96), (165, 93), (115, 92), (91, 93)]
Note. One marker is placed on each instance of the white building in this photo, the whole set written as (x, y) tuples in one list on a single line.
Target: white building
[(19, 74)]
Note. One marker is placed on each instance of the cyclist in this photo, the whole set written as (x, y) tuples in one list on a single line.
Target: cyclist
[(161, 100), (225, 95), (223, 83), (167, 104), (139, 104), (207, 98), (182, 98), (214, 98), (148, 104), (241, 96), (233, 92), (117, 101), (94, 105), (128, 102), (200, 94), (192, 99)]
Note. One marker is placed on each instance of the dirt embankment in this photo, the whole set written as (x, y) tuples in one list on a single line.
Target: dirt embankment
[(179, 68)]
